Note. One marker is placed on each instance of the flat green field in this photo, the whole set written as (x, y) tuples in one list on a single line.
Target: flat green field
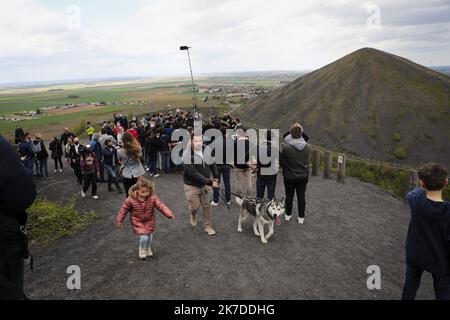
[(164, 94)]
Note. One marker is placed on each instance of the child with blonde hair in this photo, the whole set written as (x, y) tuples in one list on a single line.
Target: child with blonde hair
[(141, 203)]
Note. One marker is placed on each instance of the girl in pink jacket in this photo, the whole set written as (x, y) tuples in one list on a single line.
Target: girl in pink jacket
[(141, 204)]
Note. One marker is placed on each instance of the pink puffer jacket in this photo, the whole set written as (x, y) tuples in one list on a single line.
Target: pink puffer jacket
[(142, 215)]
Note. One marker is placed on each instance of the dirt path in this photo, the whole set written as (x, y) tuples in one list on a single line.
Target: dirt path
[(348, 227)]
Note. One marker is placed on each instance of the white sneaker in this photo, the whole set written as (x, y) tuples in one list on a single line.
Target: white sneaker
[(301, 220), (214, 204), (83, 195), (95, 197), (151, 174), (61, 170), (149, 252), (148, 169), (287, 218), (229, 203), (155, 175), (55, 171)]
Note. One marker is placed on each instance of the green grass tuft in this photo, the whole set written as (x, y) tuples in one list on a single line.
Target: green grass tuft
[(49, 221)]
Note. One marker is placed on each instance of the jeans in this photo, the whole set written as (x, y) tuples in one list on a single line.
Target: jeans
[(28, 163), (43, 167), (112, 177), (441, 284), (90, 179), (36, 166), (224, 172), (261, 185), (58, 160), (145, 241), (152, 162), (299, 187), (166, 161)]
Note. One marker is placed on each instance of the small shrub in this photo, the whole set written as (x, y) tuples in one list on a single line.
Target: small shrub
[(400, 153), (48, 221), (73, 96), (397, 137), (390, 179)]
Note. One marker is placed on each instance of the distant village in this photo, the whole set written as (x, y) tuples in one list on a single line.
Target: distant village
[(24, 115)]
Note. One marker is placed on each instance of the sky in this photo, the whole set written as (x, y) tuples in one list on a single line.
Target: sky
[(46, 40)]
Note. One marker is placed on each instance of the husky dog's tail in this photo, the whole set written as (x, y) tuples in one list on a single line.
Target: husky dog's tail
[(239, 201)]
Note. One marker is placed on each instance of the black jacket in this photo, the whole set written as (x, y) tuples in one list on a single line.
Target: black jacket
[(17, 190), (238, 163), (19, 134), (110, 156), (427, 245), (198, 175), (56, 149), (266, 150), (65, 136), (17, 193), (43, 154)]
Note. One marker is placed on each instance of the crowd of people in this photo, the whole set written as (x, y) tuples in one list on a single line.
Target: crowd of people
[(128, 149)]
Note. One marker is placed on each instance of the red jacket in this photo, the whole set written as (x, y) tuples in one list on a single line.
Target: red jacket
[(142, 215)]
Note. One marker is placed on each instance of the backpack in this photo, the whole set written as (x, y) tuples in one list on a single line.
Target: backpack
[(37, 147)]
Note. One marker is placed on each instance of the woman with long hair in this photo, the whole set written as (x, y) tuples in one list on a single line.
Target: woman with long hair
[(130, 158)]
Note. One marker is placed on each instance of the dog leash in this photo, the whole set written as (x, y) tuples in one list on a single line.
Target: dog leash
[(256, 200)]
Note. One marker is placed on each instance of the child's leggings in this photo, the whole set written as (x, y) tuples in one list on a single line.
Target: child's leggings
[(145, 241)]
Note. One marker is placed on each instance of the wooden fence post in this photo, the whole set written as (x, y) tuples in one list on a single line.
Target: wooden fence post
[(328, 165), (341, 168), (414, 180), (315, 162)]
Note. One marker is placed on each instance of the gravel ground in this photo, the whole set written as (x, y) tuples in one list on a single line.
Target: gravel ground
[(348, 227)]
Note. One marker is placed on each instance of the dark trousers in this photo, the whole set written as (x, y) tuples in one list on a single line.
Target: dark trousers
[(101, 170), (11, 272), (166, 161), (90, 179), (58, 160), (152, 161), (43, 167), (28, 163), (441, 284), (127, 184), (299, 187), (261, 185), (224, 176)]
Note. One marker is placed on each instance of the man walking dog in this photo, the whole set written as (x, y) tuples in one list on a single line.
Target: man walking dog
[(198, 184)]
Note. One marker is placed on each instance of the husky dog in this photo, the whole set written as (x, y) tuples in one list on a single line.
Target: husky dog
[(264, 212)]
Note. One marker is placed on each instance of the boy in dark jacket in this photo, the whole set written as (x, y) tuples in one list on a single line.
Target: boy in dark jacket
[(427, 246)]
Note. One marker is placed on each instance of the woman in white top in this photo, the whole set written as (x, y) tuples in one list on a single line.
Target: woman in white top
[(130, 158)]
